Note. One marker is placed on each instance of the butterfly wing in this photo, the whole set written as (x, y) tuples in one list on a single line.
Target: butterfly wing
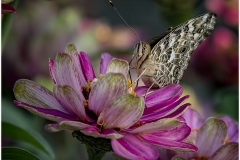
[(172, 52)]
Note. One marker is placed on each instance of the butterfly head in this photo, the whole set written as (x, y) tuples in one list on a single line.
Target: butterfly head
[(140, 54)]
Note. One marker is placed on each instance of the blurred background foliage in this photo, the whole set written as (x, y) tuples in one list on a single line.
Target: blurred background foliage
[(40, 29)]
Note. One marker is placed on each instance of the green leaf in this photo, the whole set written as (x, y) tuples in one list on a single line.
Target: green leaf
[(13, 153), (25, 134)]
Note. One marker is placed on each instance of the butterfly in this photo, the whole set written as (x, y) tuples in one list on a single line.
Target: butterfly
[(162, 60)]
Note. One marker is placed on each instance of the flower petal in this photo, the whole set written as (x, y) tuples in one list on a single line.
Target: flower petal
[(150, 115), (177, 133), (107, 133), (118, 66), (7, 8), (211, 134), (51, 69), (232, 128), (106, 89), (130, 147), (162, 124), (70, 100), (229, 151), (34, 94), (122, 113), (86, 66), (193, 119), (66, 125), (66, 72), (179, 111), (163, 96), (71, 50), (166, 143), (50, 114), (105, 59)]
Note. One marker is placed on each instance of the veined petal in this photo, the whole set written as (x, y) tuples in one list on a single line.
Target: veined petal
[(122, 113), (86, 66), (106, 89), (70, 100), (193, 119), (177, 133), (50, 114), (105, 59), (163, 96), (212, 134), (118, 66), (34, 94), (66, 72), (229, 151), (150, 115), (232, 128), (166, 143), (107, 133), (162, 124), (51, 70), (179, 111), (66, 125), (130, 147), (71, 50)]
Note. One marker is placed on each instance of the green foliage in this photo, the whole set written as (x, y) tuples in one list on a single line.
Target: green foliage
[(16, 126), (12, 153)]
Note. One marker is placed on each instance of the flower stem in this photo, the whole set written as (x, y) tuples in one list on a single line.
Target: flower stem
[(96, 147)]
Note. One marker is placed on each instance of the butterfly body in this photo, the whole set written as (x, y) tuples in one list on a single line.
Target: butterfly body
[(162, 60)]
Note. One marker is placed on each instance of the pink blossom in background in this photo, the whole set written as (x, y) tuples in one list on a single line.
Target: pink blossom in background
[(227, 9)]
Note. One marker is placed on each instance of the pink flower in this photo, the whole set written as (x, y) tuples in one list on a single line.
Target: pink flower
[(216, 138), (7, 8), (227, 9), (220, 57), (106, 106)]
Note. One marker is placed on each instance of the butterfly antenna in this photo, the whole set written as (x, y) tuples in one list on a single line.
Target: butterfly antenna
[(123, 19), (130, 28)]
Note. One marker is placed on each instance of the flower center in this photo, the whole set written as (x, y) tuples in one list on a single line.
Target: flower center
[(131, 87)]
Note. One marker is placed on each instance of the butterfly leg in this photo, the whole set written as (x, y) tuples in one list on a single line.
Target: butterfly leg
[(149, 90), (136, 81)]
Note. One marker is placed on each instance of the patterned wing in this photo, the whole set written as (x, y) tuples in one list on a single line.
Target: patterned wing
[(172, 53)]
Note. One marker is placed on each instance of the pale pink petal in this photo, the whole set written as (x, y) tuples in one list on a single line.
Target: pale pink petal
[(34, 94), (193, 118), (70, 100), (71, 50), (162, 124), (163, 96), (212, 134), (51, 69), (118, 66), (130, 147), (66, 72), (122, 113), (106, 89), (232, 128), (50, 114), (106, 133), (105, 59), (66, 125), (86, 66), (169, 144), (229, 151)]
